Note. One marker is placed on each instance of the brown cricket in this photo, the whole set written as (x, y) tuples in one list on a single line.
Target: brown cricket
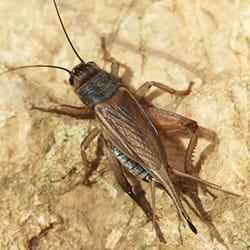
[(128, 128)]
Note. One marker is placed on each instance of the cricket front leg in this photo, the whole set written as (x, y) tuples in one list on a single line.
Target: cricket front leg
[(135, 192), (72, 111), (90, 167), (115, 65)]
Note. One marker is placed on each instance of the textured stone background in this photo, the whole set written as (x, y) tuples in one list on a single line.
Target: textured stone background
[(42, 203)]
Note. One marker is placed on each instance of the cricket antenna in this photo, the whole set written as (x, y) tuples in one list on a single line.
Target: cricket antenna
[(66, 34), (35, 66)]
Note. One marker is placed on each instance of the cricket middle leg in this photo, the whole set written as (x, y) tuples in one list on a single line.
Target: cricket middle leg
[(90, 167), (140, 93)]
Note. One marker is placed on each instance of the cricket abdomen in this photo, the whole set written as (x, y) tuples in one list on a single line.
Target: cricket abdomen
[(133, 167)]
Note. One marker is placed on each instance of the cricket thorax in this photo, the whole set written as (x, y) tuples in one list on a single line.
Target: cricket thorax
[(92, 84), (133, 167)]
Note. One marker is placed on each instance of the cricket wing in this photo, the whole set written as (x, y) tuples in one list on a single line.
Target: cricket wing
[(127, 126)]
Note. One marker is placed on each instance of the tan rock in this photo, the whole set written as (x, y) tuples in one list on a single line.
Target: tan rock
[(45, 207)]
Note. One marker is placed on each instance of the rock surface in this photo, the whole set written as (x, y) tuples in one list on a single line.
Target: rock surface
[(43, 203)]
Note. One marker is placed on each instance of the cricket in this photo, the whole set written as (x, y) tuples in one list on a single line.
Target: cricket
[(128, 131)]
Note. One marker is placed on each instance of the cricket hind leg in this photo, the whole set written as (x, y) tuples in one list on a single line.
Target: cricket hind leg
[(168, 121), (72, 111), (136, 193)]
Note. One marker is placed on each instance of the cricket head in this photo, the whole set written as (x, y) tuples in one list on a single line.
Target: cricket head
[(81, 73)]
